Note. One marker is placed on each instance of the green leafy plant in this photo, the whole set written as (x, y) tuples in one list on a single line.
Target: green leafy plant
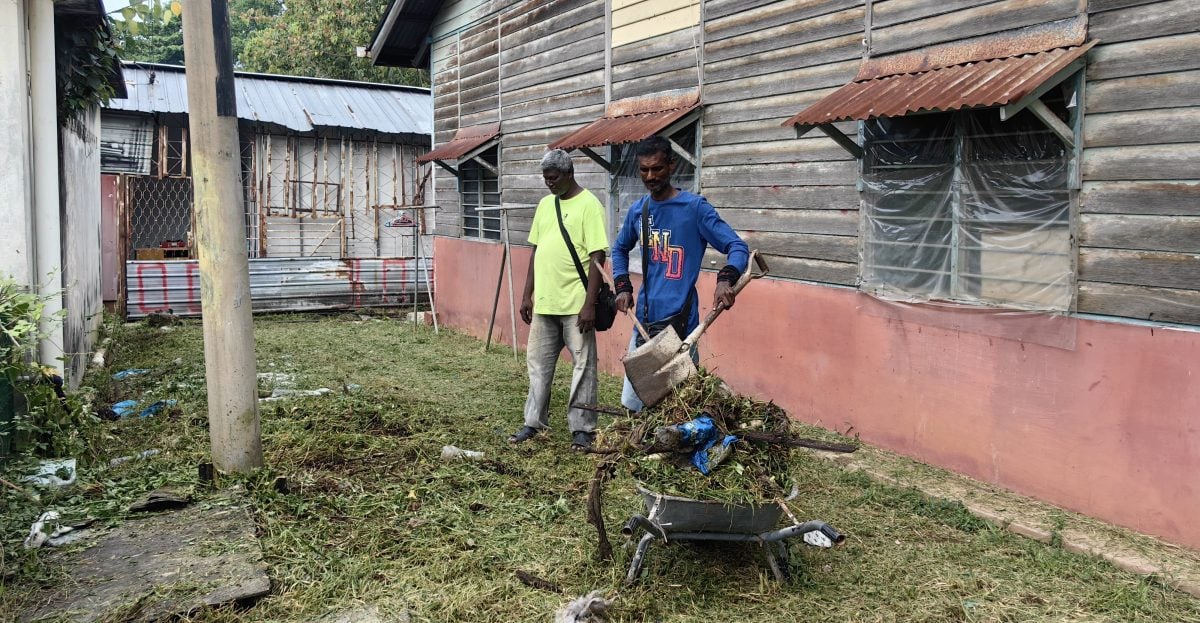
[(51, 423)]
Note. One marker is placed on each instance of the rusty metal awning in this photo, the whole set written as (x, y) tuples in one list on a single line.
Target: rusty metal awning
[(632, 120), (465, 141), (467, 144), (994, 82), (999, 71)]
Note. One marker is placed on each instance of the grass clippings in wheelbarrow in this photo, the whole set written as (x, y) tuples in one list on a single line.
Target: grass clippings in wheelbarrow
[(756, 469)]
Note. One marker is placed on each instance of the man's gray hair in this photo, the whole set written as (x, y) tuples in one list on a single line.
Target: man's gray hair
[(558, 160)]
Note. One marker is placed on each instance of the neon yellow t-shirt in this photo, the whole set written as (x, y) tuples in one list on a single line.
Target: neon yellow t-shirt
[(557, 290)]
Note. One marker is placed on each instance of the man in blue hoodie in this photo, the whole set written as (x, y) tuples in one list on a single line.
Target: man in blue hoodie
[(681, 225)]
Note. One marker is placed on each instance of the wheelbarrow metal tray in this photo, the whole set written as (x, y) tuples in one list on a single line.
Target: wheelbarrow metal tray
[(679, 514)]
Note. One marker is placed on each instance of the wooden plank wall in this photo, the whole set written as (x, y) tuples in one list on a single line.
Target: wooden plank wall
[(552, 83), (1140, 205), (538, 69), (794, 199), (655, 64)]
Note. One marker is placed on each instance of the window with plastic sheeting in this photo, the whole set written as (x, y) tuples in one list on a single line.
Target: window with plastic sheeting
[(967, 208), (627, 182), (479, 187)]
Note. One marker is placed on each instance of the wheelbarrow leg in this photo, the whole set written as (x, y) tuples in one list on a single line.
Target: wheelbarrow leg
[(635, 566), (779, 571)]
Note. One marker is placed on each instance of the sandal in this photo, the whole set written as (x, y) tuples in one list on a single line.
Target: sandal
[(582, 440), (525, 434)]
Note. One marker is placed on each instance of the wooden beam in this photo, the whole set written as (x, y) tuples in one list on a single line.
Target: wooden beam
[(598, 158), (1010, 111), (485, 164), (683, 153), (447, 167), (1052, 121), (802, 129), (846, 142)]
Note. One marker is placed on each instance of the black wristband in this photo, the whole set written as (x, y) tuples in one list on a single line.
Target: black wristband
[(730, 275), (624, 285)]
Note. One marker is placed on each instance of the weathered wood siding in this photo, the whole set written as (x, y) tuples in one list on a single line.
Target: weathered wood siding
[(538, 69), (792, 199), (544, 69), (552, 80), (1139, 228)]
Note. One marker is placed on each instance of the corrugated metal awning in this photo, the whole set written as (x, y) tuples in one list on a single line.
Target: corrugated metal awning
[(631, 120), (990, 82), (465, 141)]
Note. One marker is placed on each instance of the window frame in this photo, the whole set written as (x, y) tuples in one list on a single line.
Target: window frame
[(957, 292), (470, 171)]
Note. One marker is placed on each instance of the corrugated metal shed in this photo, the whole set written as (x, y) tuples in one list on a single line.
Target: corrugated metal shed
[(631, 120), (465, 141), (993, 70), (299, 104), (285, 284)]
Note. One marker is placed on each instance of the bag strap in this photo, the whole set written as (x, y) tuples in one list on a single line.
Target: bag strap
[(645, 255), (570, 245)]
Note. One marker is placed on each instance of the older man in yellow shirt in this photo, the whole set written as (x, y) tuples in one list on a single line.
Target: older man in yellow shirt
[(558, 308)]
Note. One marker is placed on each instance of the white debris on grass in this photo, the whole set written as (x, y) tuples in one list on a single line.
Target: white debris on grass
[(50, 473), (449, 453), (587, 609), (38, 532)]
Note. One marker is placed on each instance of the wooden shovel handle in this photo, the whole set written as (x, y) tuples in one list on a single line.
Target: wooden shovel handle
[(640, 328), (755, 260)]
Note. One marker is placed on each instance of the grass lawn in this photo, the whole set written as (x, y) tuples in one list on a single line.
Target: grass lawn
[(372, 514)]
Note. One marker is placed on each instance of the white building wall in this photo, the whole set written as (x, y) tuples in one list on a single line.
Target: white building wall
[(17, 207)]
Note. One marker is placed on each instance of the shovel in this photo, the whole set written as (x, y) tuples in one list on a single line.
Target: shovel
[(657, 366)]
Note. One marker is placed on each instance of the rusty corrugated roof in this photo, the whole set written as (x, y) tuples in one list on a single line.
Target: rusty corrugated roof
[(631, 120), (969, 84), (465, 140)]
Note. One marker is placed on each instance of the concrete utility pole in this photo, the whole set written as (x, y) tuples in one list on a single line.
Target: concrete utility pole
[(220, 239)]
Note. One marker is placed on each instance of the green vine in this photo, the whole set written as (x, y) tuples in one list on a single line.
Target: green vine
[(87, 60)]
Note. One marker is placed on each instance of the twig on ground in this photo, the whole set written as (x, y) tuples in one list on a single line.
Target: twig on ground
[(532, 581)]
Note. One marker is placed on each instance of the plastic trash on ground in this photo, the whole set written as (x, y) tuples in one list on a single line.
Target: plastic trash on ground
[(124, 374), (281, 393), (123, 408), (53, 473), (156, 407), (125, 459), (38, 533), (449, 453)]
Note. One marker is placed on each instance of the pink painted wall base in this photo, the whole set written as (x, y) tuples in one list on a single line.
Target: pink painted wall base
[(1098, 417)]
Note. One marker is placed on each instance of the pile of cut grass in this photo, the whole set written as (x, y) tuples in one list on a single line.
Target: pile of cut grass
[(752, 473), (373, 515)]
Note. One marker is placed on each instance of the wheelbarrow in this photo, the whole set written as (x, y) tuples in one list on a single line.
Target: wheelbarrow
[(669, 518)]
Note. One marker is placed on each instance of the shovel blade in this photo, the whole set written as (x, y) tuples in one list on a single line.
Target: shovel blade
[(656, 367)]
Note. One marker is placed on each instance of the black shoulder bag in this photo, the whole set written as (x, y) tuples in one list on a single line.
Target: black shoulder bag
[(678, 321), (606, 301)]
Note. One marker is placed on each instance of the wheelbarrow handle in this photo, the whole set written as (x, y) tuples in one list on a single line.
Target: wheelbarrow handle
[(755, 260)]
